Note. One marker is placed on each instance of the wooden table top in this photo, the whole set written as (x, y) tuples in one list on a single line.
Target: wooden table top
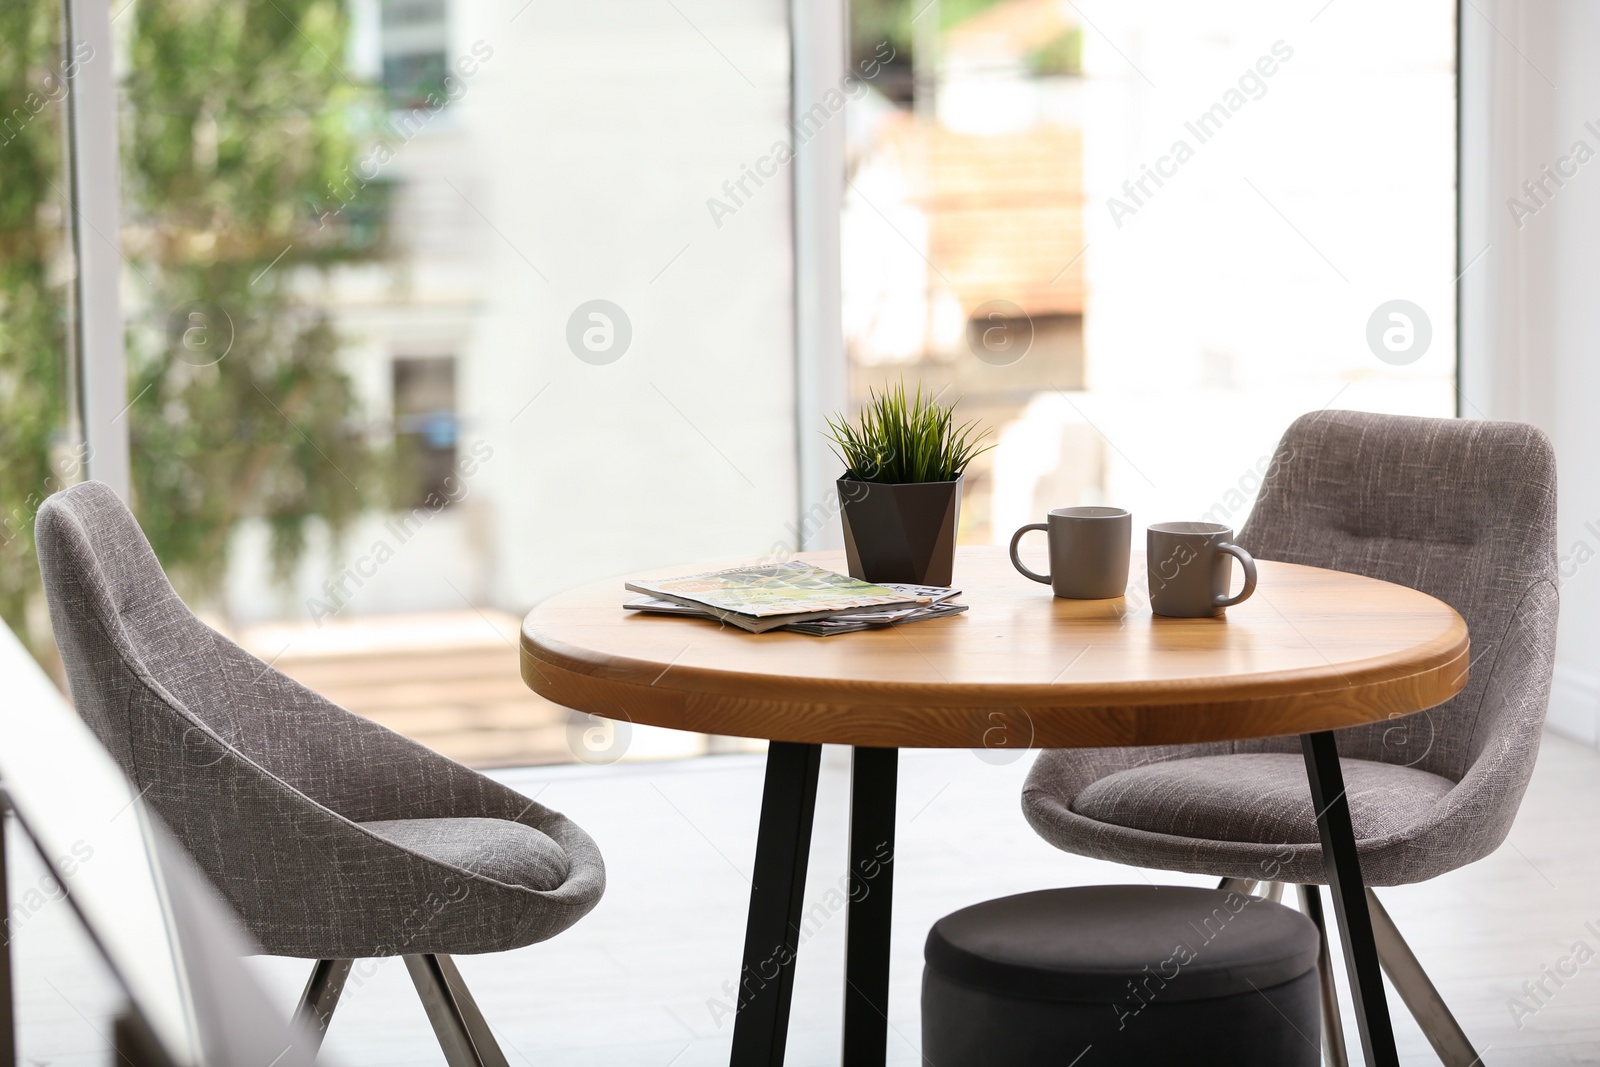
[(1312, 650)]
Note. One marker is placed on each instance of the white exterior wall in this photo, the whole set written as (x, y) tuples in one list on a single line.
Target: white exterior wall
[(576, 165)]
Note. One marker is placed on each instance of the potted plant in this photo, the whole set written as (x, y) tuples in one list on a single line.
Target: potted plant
[(900, 495)]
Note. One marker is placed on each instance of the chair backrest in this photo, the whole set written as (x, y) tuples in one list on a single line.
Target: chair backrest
[(112, 608), (1462, 510), (121, 628)]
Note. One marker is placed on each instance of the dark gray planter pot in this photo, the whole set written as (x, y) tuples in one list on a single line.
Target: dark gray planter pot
[(900, 533)]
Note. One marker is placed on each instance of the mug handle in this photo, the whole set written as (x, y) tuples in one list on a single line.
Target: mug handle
[(1043, 579), (1249, 565)]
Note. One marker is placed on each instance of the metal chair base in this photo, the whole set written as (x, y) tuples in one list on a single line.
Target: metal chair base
[(463, 1033), (1333, 1049), (321, 996), (1417, 991)]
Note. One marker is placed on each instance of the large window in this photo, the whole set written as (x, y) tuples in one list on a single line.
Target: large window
[(1140, 237), (472, 335), (438, 307)]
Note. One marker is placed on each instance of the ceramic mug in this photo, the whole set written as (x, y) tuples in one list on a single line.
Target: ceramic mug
[(1088, 552), (1190, 567)]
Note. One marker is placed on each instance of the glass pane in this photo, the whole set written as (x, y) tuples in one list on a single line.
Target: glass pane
[(39, 452), (1138, 238), (429, 320)]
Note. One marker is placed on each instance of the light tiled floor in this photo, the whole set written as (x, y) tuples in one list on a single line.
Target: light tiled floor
[(641, 980)]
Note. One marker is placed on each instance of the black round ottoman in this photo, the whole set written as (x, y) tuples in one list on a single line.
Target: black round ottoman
[(1124, 974)]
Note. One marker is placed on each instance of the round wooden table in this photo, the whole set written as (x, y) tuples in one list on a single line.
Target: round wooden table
[(1313, 650)]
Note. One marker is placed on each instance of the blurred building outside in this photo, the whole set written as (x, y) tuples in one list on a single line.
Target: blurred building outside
[(1151, 360)]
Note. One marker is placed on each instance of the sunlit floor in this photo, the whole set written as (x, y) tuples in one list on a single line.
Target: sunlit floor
[(451, 681), (646, 978)]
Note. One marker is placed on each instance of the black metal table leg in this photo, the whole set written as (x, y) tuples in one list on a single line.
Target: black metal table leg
[(874, 775), (1349, 898), (772, 932)]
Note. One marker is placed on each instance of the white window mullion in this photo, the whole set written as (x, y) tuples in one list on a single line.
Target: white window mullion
[(102, 373), (819, 43)]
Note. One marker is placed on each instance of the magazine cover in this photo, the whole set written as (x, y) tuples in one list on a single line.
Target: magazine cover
[(788, 588)]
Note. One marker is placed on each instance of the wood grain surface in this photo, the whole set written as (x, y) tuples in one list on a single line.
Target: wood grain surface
[(1312, 650)]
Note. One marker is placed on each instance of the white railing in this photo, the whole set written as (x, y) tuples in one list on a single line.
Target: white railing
[(166, 936)]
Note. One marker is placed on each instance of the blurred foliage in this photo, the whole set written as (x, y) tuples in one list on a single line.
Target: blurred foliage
[(874, 21), (1060, 57), (241, 128), (242, 169), (33, 292)]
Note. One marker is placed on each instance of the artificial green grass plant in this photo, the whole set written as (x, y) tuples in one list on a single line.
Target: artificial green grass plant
[(897, 439)]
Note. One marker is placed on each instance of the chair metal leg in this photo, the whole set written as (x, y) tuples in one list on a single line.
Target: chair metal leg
[(449, 1017), (1272, 891), (1333, 1047), (477, 1026), (1449, 1041), (321, 997)]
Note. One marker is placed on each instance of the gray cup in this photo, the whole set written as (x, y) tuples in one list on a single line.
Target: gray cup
[(1088, 552), (1190, 567)]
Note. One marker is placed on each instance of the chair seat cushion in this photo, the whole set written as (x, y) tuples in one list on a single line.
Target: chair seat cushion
[(1087, 944), (508, 852), (1260, 796)]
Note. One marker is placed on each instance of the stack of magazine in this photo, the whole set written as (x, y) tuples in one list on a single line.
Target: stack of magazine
[(795, 596)]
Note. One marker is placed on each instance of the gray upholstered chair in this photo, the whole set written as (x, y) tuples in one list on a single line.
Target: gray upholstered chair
[(1462, 510), (332, 837)]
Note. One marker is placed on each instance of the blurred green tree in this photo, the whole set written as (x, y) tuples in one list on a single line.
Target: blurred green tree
[(35, 275), (873, 22), (241, 143)]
